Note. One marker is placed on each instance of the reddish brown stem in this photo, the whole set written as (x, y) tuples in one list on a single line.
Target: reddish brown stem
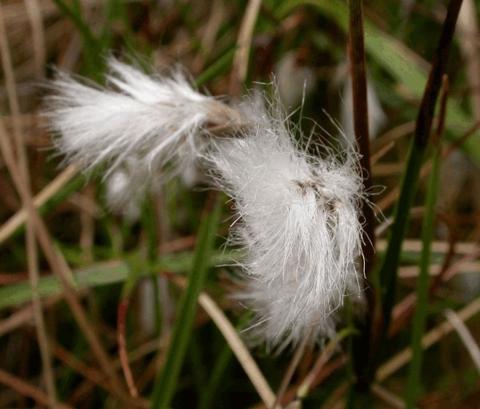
[(122, 346), (361, 350)]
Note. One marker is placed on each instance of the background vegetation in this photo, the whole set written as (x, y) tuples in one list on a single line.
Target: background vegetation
[(98, 310)]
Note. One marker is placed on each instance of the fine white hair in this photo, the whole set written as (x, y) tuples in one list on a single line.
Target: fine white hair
[(297, 218), (126, 188), (295, 81), (159, 120)]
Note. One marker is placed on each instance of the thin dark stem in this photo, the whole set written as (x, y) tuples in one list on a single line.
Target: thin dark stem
[(361, 348), (434, 83), (122, 345)]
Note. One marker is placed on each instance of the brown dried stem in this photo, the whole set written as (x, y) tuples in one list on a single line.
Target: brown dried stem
[(12, 224), (429, 339), (28, 390), (122, 346), (361, 349), (31, 245), (34, 12), (57, 262), (244, 43), (93, 376), (297, 356)]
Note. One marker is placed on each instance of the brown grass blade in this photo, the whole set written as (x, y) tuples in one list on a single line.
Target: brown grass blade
[(429, 339), (57, 263), (19, 218), (32, 253), (28, 390), (244, 44)]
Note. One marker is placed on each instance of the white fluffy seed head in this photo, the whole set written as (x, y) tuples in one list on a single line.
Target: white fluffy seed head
[(126, 187), (159, 121), (119, 195), (297, 217)]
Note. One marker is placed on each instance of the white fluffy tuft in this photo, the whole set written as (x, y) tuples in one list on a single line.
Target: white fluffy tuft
[(126, 188), (157, 120), (297, 217)]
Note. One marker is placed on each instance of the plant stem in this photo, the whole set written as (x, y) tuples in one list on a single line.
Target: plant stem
[(93, 57), (361, 348), (413, 384), (217, 375), (165, 383)]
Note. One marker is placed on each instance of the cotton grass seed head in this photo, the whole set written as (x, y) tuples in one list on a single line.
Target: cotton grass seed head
[(159, 120), (297, 218)]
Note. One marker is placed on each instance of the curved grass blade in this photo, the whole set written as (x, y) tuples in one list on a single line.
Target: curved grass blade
[(419, 319), (166, 381)]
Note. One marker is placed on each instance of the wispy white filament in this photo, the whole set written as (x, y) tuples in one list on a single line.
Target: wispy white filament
[(126, 187), (294, 80), (297, 218), (157, 120)]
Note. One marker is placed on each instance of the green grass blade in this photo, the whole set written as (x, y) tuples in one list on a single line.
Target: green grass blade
[(217, 68), (221, 364), (114, 272), (387, 272), (166, 381), (106, 273), (413, 384), (73, 13), (97, 275), (93, 52)]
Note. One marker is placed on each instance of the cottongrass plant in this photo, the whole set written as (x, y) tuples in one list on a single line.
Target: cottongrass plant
[(296, 212), (143, 128)]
